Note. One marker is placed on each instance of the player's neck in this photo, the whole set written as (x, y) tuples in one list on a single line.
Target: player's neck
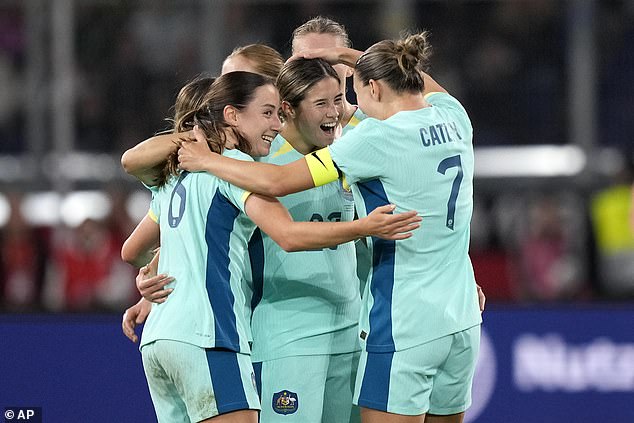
[(400, 103), (294, 138)]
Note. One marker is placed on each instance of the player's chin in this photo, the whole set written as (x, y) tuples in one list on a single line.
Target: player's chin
[(263, 149), (327, 139)]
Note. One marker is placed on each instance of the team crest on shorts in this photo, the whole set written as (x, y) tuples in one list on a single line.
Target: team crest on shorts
[(285, 402)]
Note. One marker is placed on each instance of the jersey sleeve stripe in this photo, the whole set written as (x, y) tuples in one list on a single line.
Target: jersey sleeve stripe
[(153, 216), (244, 196)]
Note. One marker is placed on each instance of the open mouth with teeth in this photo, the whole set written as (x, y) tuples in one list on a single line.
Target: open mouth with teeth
[(328, 128), (268, 139)]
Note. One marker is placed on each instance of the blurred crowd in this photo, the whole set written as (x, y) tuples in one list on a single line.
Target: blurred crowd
[(508, 62)]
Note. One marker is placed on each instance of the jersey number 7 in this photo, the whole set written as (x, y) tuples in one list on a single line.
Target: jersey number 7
[(448, 163)]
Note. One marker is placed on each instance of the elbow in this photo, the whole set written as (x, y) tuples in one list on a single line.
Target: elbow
[(275, 188), (288, 242), (290, 247), (127, 163), (126, 257), (128, 254)]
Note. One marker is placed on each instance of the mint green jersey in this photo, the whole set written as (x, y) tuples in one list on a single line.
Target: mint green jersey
[(204, 235), (364, 262), (305, 302), (356, 118), (421, 288)]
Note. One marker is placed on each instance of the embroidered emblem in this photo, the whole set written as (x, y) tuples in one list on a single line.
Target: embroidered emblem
[(285, 402)]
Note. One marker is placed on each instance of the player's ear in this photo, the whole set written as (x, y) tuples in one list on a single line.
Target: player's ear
[(288, 110), (349, 71), (375, 89), (230, 115)]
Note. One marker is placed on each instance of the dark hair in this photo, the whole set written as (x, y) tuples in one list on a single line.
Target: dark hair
[(299, 75), (188, 100), (231, 89), (397, 62), (266, 60)]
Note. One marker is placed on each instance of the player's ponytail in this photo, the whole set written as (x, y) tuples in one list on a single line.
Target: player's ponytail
[(397, 62)]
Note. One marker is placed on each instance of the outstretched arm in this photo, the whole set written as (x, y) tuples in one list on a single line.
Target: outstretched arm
[(271, 216), (349, 57), (263, 178), (144, 160), (334, 56)]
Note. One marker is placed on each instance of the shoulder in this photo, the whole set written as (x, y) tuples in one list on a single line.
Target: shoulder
[(279, 147), (237, 154), (444, 99)]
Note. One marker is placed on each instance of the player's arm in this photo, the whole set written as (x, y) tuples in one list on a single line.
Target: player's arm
[(134, 316), (338, 55), (138, 249), (271, 216), (431, 86), (144, 160), (482, 299), (263, 178)]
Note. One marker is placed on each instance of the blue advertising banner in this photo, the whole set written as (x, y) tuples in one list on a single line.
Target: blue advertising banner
[(536, 366), (555, 365)]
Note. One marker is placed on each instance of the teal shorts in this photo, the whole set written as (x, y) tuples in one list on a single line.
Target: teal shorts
[(190, 383), (434, 377), (308, 389)]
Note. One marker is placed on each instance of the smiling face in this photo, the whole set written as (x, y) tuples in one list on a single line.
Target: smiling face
[(317, 115), (259, 121)]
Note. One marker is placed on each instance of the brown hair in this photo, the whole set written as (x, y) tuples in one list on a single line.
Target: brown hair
[(299, 75), (397, 62), (322, 25), (235, 89), (188, 100), (266, 60)]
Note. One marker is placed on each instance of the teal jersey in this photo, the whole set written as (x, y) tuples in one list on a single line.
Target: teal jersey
[(421, 288), (204, 234), (305, 302), (364, 262), (356, 118)]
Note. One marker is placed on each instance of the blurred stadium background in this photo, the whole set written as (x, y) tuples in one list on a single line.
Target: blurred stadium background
[(548, 85)]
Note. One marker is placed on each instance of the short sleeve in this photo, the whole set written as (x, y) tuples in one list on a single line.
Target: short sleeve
[(358, 153), (236, 195), (445, 100), (154, 211)]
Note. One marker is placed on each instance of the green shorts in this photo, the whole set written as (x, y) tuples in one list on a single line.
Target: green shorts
[(434, 377), (190, 383), (308, 388)]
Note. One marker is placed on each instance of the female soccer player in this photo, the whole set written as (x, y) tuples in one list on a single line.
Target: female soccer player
[(286, 340), (306, 304), (324, 33), (194, 347), (420, 318)]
